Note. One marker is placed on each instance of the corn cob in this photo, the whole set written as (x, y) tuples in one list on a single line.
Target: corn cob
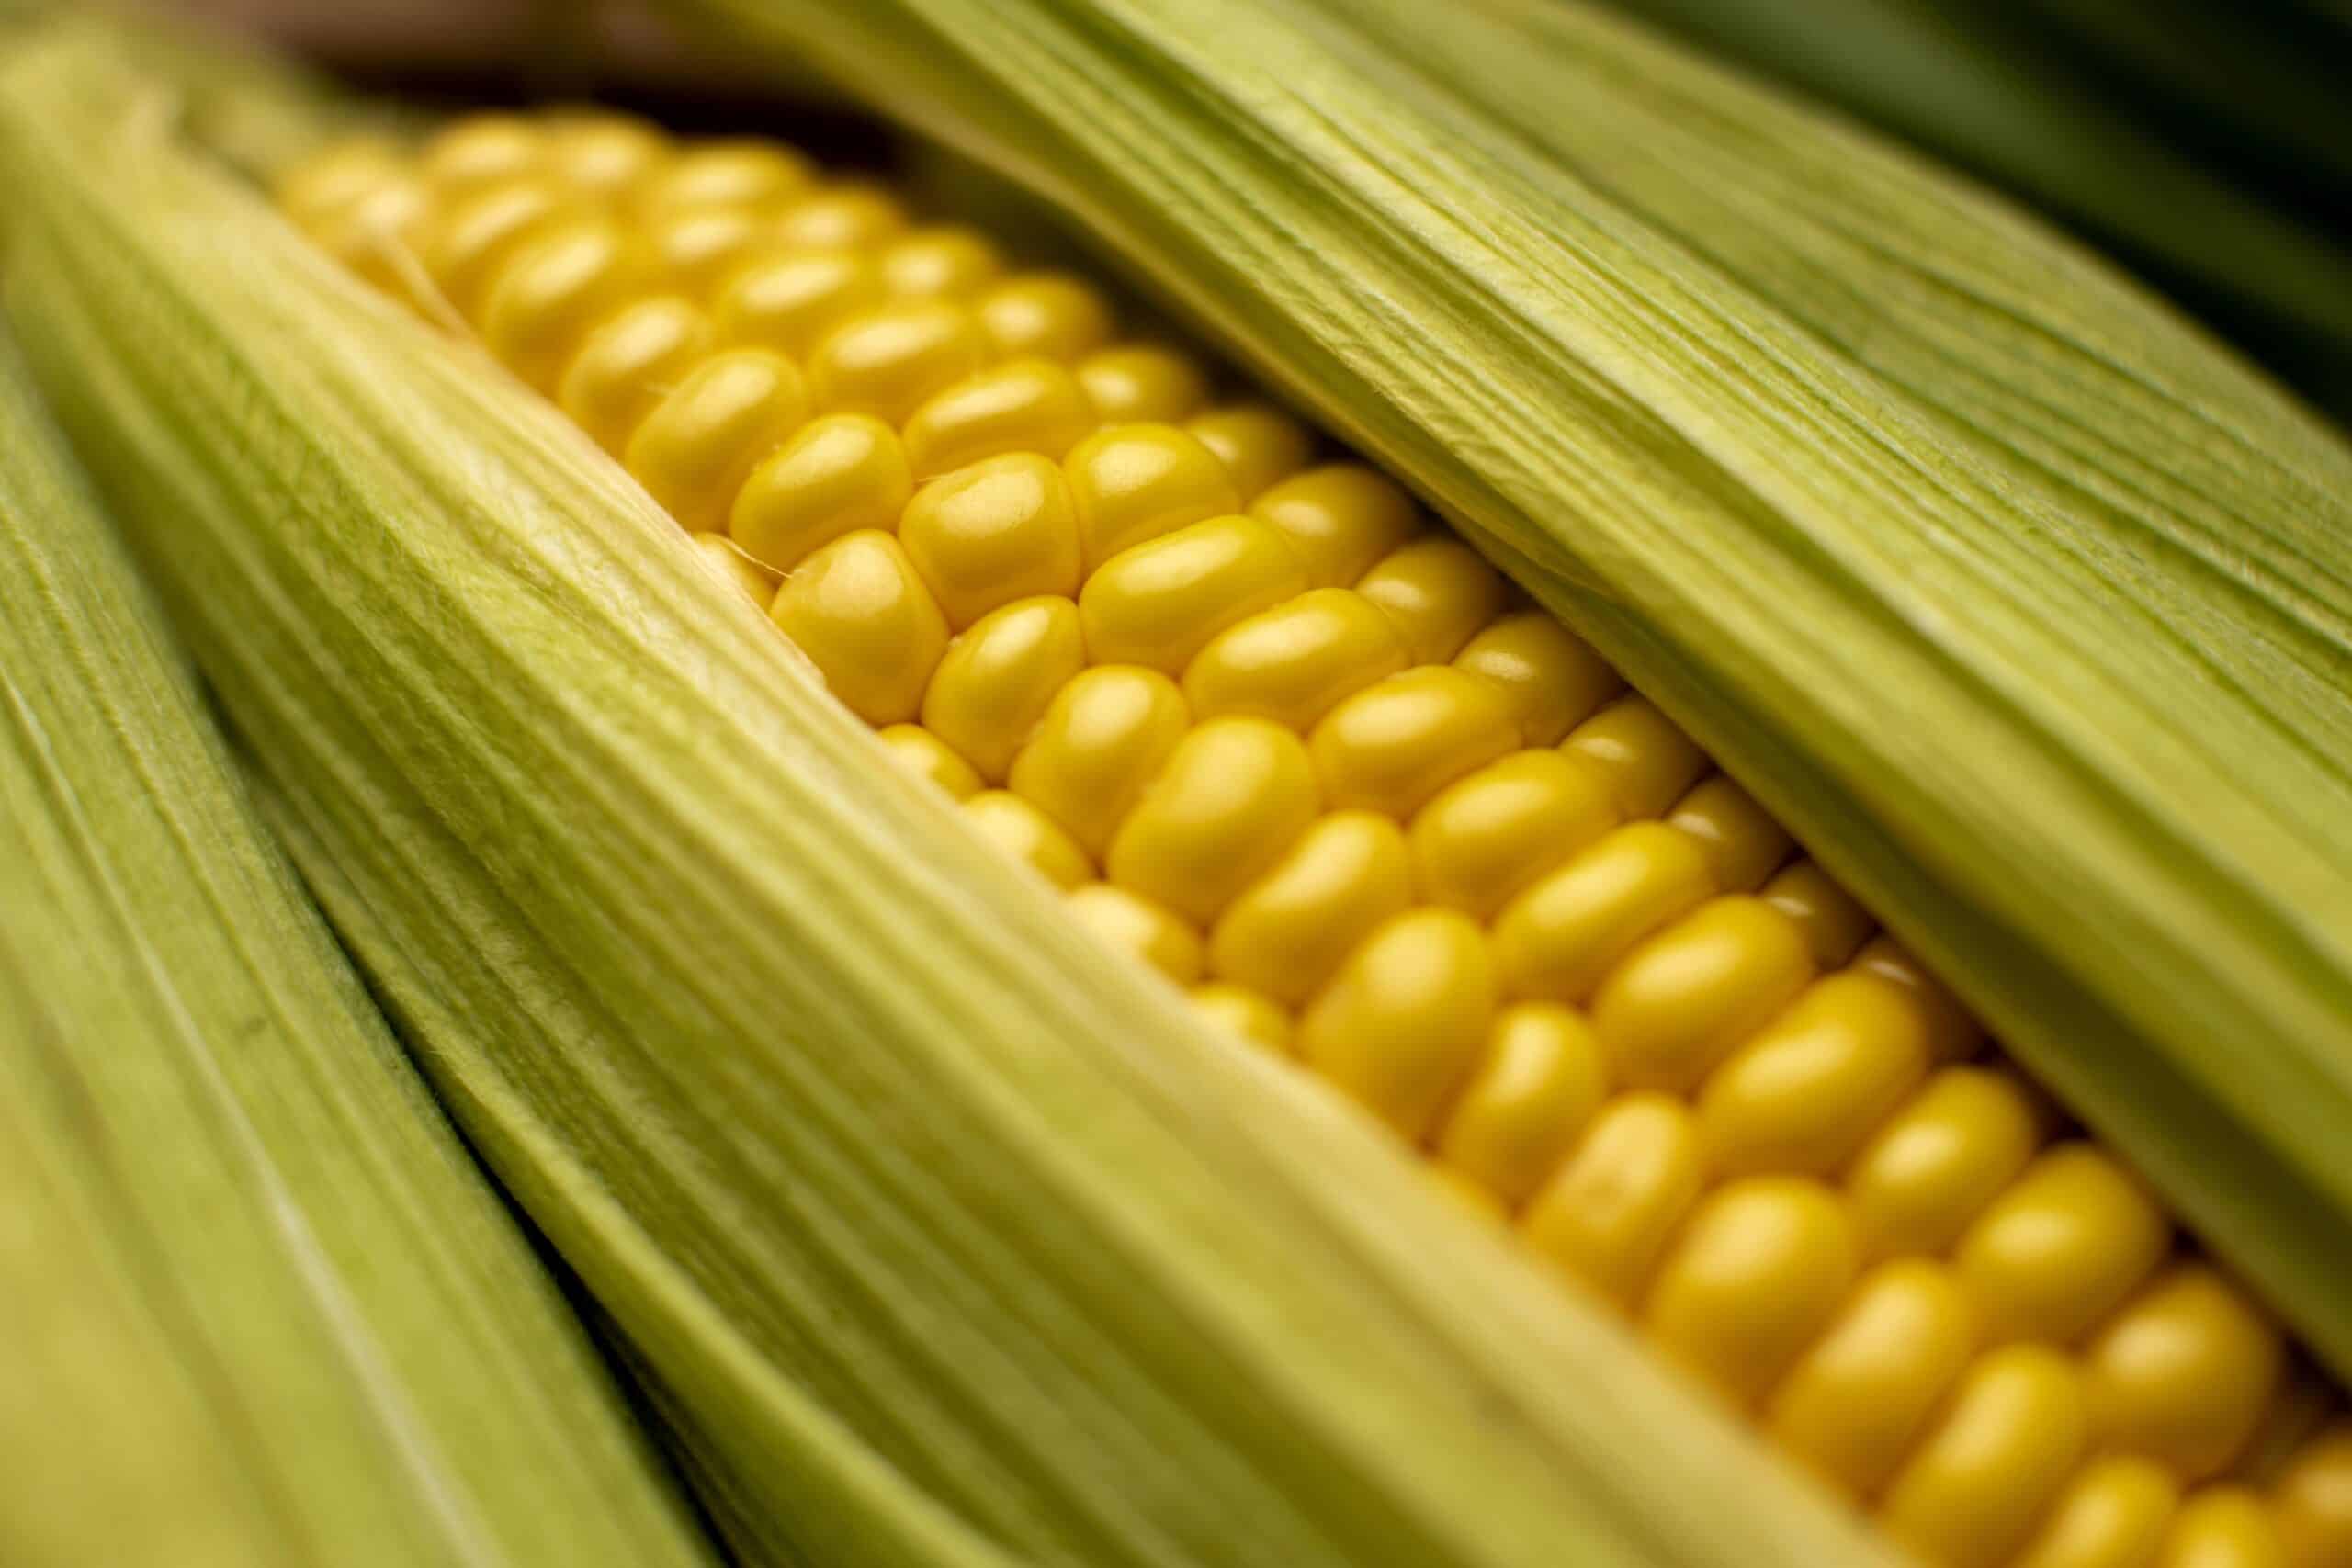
[(1757, 401), (1313, 759), (261, 1307)]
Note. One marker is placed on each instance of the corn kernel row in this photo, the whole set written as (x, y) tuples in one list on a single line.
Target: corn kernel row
[(1312, 758)]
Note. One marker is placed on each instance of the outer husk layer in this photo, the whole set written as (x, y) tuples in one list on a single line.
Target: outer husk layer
[(2210, 145), (2023, 603), (948, 1242), (261, 1307)]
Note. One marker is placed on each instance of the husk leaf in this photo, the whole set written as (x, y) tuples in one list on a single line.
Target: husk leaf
[(949, 1242), (2211, 147), (261, 1307)]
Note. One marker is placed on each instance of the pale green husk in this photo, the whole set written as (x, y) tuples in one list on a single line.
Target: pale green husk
[(948, 1241), (260, 1306), (2026, 604), (2208, 144)]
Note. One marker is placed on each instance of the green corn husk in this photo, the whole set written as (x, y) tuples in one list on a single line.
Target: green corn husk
[(2208, 145), (260, 1307), (2028, 607), (948, 1242), (255, 109)]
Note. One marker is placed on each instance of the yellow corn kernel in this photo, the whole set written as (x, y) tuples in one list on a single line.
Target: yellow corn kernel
[(998, 677), (1143, 927), (480, 147), (1932, 1169), (852, 215), (1249, 1015), (603, 152), (1000, 530), (1540, 1078), (1862, 1392), (1606, 1214), (465, 246), (1293, 662), (2012, 1434), (2183, 1372), (340, 195), (375, 235), (858, 610), (725, 172), (1400, 1026), (1650, 761), (939, 261), (553, 290), (836, 475), (2223, 1527), (1743, 845), (1755, 1275), (1132, 483), (628, 362), (2114, 1514), (1953, 1033), (1342, 519), (1049, 314), (1438, 592), (732, 563), (1288, 932), (1259, 445), (1557, 940), (1554, 681), (1030, 406), (1236, 792), (700, 247), (2312, 1502), (332, 181), (926, 756), (840, 215), (1835, 925), (1133, 381), (885, 361), (2062, 1248), (695, 450), (1158, 602), (1484, 837), (1026, 834), (1105, 736), (789, 302), (1680, 1001), (1805, 1093), (1392, 745)]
